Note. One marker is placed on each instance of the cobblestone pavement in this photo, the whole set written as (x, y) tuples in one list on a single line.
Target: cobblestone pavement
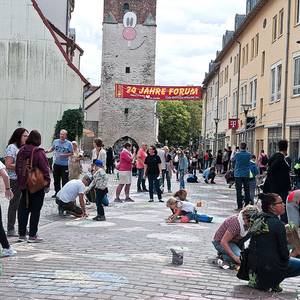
[(128, 256)]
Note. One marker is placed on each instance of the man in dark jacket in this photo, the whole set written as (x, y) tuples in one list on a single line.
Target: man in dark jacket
[(278, 178)]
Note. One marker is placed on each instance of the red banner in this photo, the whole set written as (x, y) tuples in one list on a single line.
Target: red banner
[(233, 123), (158, 92)]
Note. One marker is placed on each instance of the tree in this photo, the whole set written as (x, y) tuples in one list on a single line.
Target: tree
[(72, 121), (179, 122), (174, 123)]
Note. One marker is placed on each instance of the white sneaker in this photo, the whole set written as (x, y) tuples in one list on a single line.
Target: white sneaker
[(8, 252)]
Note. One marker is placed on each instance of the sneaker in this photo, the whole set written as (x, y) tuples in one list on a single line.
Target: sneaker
[(60, 211), (151, 200), (212, 182), (145, 190), (12, 233), (35, 239), (129, 200), (206, 181), (22, 238), (53, 196), (118, 200), (160, 200), (8, 252), (99, 218)]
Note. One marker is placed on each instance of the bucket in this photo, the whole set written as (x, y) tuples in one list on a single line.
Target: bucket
[(177, 257)]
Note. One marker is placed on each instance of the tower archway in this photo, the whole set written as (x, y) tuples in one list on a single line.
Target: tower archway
[(118, 145)]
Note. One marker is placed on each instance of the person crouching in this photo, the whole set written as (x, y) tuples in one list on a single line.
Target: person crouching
[(209, 174), (100, 180), (185, 211), (66, 197)]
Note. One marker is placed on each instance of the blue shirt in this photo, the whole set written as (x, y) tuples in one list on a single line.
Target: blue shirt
[(60, 147), (242, 164), (206, 174)]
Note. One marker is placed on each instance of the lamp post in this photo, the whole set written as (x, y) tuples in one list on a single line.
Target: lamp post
[(217, 120), (246, 108)]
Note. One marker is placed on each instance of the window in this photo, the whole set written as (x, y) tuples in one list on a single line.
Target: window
[(125, 7), (274, 29), (127, 70), (225, 109), (234, 65), (256, 44), (297, 11), (253, 92), (243, 57), (296, 86), (247, 54), (276, 73), (252, 48), (226, 74), (243, 95), (261, 109), (229, 88), (280, 23), (263, 62)]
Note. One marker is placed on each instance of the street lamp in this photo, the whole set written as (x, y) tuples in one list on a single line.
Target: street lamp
[(217, 120), (246, 108)]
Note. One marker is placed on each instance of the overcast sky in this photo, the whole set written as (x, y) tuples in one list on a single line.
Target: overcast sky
[(189, 33)]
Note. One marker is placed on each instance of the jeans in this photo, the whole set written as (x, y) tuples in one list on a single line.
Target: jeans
[(293, 267), (99, 196), (110, 167), (199, 218), (13, 205), (3, 239), (141, 181), (154, 182), (234, 248), (211, 176), (60, 174), (252, 188), (241, 182), (181, 179), (206, 162), (35, 203), (166, 174)]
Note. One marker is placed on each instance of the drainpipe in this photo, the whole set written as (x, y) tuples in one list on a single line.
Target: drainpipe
[(238, 90), (287, 52), (205, 117)]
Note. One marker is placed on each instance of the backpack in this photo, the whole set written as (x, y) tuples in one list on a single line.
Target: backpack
[(192, 179), (264, 160)]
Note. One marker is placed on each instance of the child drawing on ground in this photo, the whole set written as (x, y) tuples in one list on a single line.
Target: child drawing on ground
[(185, 212)]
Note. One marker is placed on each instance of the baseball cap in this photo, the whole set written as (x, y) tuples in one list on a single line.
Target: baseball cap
[(98, 163)]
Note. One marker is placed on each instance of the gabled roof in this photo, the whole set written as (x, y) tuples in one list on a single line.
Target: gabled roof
[(248, 19), (47, 24)]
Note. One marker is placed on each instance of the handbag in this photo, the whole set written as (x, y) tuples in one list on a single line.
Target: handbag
[(243, 272), (35, 177)]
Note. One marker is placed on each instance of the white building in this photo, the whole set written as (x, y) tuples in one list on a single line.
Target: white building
[(38, 79)]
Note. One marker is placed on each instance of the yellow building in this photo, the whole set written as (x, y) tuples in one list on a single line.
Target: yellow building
[(255, 80)]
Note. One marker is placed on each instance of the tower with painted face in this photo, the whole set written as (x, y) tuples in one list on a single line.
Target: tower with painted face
[(128, 56)]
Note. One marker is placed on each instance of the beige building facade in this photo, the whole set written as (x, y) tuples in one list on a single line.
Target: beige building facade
[(255, 82)]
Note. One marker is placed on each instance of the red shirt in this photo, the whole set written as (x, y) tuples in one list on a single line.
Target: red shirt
[(141, 156), (125, 161)]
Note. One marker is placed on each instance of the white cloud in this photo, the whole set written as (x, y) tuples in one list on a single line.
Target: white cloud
[(188, 35)]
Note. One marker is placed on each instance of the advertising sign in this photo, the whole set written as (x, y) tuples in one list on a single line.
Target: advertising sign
[(146, 92), (233, 123)]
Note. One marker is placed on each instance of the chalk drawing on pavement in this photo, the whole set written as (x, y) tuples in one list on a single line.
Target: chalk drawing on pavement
[(131, 229), (175, 236), (89, 223)]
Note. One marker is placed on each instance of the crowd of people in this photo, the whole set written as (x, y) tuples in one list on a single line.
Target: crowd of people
[(271, 255)]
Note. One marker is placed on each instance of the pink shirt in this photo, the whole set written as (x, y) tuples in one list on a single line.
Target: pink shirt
[(125, 161), (142, 155)]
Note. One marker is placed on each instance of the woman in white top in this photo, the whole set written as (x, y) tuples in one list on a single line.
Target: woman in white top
[(99, 152), (75, 167), (16, 141)]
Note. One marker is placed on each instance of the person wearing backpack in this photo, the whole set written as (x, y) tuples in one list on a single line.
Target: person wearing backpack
[(262, 162), (31, 202)]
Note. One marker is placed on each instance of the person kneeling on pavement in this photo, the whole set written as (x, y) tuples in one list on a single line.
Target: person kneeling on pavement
[(66, 197), (229, 238), (100, 180), (209, 174), (185, 212)]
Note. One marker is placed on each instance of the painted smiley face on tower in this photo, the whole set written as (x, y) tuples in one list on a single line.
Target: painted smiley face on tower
[(129, 22)]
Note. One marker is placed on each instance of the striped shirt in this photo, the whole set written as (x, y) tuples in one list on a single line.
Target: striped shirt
[(232, 225)]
